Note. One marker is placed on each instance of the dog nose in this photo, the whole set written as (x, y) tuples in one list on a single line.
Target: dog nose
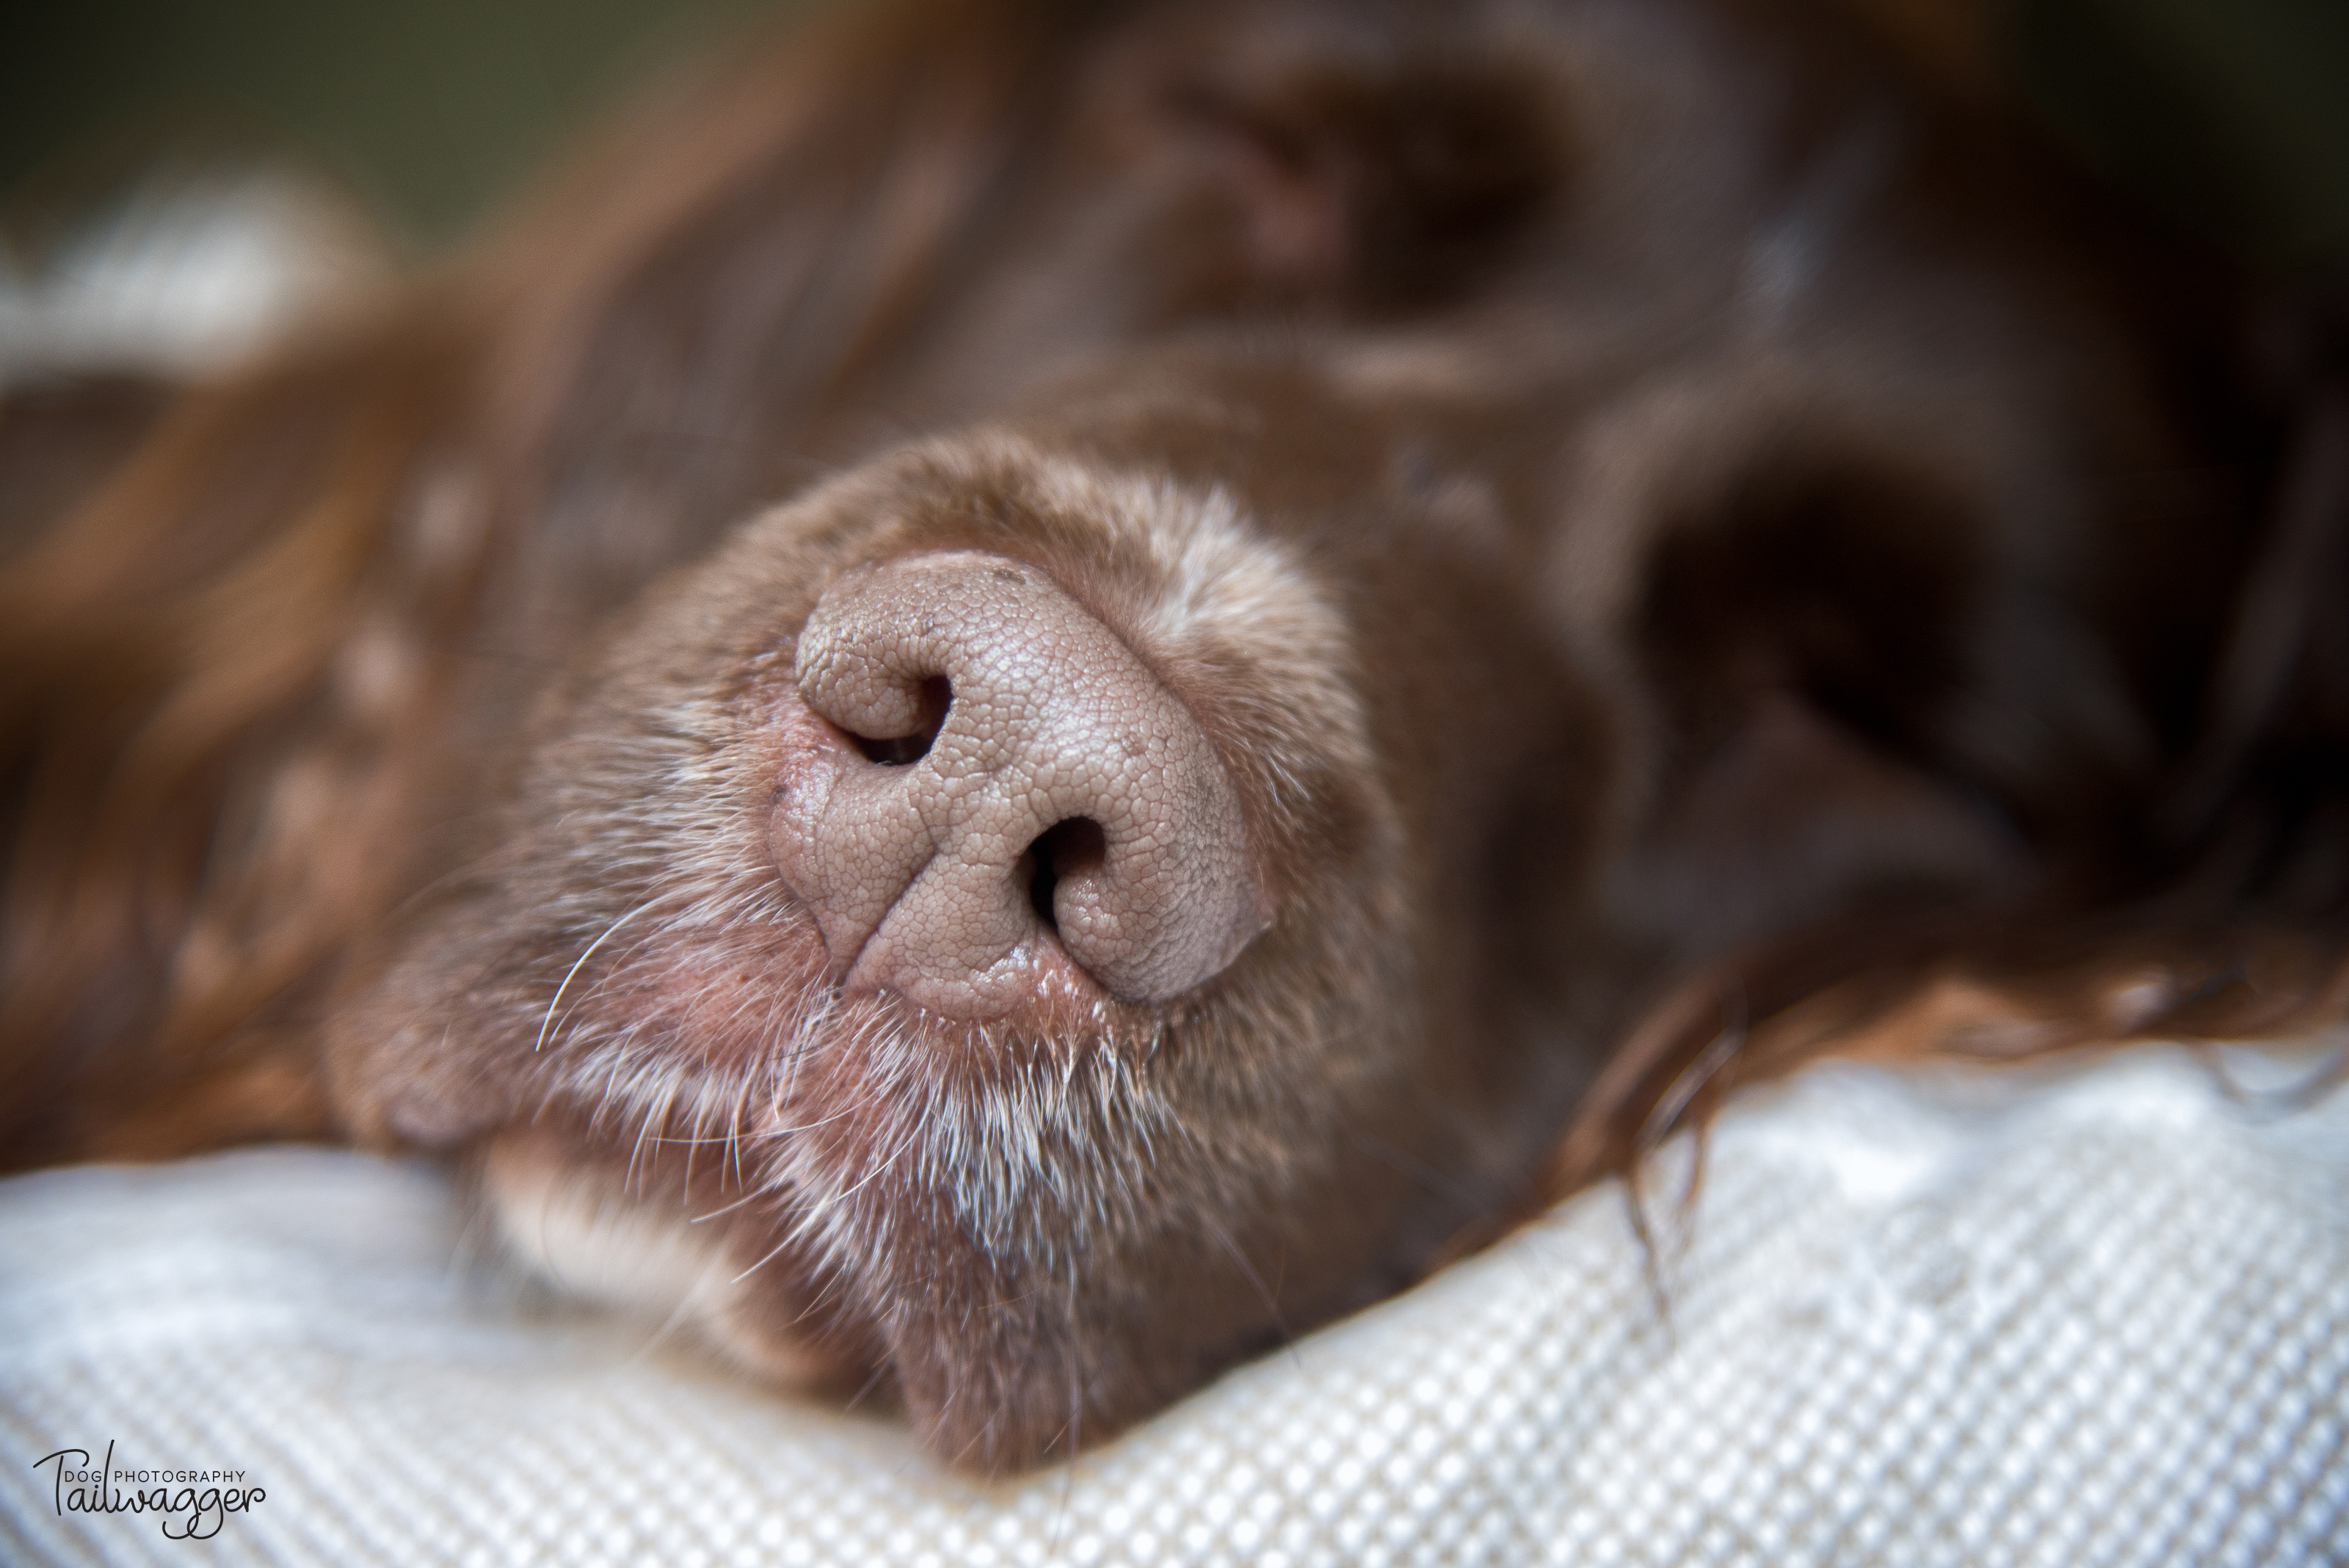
[(999, 774)]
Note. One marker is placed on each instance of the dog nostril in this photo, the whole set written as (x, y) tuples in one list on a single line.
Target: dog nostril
[(1063, 850), (1067, 789), (936, 695)]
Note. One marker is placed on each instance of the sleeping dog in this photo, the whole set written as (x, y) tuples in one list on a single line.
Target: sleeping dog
[(1031, 694)]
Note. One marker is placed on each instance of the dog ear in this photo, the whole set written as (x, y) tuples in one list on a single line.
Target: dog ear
[(1877, 722), (1866, 700), (59, 438), (249, 638)]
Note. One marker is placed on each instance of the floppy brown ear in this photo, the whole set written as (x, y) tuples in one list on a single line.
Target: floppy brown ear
[(1869, 718), (59, 438), (158, 645), (229, 682)]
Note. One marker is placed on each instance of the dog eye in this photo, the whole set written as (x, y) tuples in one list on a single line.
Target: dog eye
[(1376, 185), (1844, 581)]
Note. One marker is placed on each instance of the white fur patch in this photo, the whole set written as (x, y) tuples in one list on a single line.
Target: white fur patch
[(597, 1245)]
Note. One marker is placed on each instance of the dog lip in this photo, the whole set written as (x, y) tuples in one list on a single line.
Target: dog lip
[(1053, 980), (1065, 1012)]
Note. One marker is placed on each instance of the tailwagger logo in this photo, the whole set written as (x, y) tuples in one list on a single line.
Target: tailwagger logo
[(194, 1504)]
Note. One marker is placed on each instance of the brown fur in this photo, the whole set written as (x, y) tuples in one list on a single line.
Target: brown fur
[(1686, 533)]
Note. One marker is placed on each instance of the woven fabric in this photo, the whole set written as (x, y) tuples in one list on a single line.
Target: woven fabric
[(2087, 1316)]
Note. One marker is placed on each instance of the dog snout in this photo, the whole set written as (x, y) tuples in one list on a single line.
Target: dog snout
[(997, 787)]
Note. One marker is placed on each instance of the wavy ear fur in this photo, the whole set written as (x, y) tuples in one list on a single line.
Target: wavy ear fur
[(228, 678), (2214, 906)]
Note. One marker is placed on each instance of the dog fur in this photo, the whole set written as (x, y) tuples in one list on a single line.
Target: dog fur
[(1678, 524)]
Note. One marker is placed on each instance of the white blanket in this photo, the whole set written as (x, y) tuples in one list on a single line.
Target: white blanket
[(2091, 1314)]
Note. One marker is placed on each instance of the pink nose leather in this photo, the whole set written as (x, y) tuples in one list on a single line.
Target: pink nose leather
[(1066, 798)]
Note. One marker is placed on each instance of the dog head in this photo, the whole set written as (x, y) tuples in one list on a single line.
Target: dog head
[(1362, 547)]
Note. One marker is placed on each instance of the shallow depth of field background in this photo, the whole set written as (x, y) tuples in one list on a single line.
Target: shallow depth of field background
[(2233, 114)]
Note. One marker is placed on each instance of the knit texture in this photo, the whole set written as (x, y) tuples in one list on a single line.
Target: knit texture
[(2090, 1314)]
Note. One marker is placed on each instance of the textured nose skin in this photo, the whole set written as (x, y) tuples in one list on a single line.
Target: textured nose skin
[(924, 876)]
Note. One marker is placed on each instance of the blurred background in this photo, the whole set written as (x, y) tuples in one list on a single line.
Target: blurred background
[(2233, 113), (174, 175), (428, 110), (181, 178)]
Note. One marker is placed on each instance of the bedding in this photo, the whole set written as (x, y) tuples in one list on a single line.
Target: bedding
[(2094, 1311)]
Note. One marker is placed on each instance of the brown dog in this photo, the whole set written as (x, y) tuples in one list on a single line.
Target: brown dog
[(1055, 679)]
